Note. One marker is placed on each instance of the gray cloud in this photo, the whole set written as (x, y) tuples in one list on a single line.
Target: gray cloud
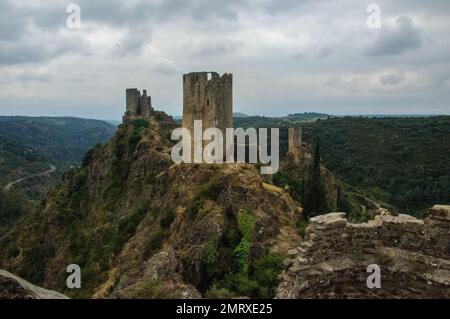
[(30, 35), (393, 78), (134, 41), (40, 50), (404, 36), (287, 56)]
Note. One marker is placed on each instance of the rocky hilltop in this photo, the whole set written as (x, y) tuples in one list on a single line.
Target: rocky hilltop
[(140, 226), (414, 256)]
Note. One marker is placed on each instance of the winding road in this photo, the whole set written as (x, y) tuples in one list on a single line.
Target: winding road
[(51, 170)]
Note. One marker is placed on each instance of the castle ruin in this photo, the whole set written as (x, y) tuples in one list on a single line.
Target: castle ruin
[(137, 105), (332, 261), (295, 143), (207, 96)]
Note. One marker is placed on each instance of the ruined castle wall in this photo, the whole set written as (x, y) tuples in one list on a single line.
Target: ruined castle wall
[(414, 256), (137, 105), (209, 100), (132, 101), (145, 104), (295, 143)]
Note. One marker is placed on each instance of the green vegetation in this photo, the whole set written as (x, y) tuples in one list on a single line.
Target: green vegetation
[(259, 281), (266, 270), (246, 224), (315, 201), (284, 121), (139, 127), (124, 145), (127, 226), (399, 161), (296, 187), (12, 207), (62, 141), (168, 218), (154, 241), (159, 233), (28, 145), (210, 254), (236, 274)]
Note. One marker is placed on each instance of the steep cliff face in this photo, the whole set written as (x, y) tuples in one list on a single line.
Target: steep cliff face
[(413, 255), (140, 226)]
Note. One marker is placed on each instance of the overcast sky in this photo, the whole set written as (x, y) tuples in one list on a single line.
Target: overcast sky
[(286, 56)]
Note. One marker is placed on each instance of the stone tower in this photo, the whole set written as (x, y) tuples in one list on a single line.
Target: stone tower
[(295, 143), (207, 96), (137, 105)]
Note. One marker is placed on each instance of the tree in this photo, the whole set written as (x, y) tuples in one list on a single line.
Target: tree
[(315, 201)]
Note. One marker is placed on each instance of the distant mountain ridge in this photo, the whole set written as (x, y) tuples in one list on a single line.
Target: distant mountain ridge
[(63, 140)]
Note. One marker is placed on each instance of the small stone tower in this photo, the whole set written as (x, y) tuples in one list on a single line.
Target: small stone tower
[(207, 96), (137, 105), (295, 143)]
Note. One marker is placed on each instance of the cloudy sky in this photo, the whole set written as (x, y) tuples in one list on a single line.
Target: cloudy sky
[(286, 56)]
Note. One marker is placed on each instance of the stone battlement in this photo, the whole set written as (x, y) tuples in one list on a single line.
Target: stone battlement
[(337, 252), (208, 77)]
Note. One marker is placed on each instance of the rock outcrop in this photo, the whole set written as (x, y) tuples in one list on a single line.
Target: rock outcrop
[(13, 287), (138, 225), (413, 255)]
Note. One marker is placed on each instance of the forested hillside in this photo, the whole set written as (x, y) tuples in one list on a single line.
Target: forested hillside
[(35, 151), (401, 161)]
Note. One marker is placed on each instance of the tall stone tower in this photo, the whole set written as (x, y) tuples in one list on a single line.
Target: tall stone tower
[(137, 104), (207, 96), (295, 143)]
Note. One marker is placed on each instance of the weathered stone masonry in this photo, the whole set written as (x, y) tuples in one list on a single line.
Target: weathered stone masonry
[(414, 256), (137, 105), (295, 143), (207, 96)]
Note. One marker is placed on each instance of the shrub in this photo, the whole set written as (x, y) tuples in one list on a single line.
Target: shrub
[(139, 124), (154, 242), (246, 224), (211, 189), (242, 285), (127, 226), (240, 256), (12, 252), (139, 127), (256, 279), (90, 154), (168, 218), (267, 269), (193, 208), (209, 253)]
